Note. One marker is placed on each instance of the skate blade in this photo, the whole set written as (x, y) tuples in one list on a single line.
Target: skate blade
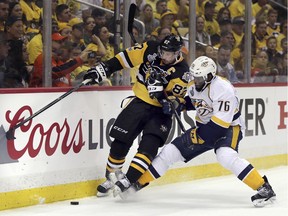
[(125, 195), (99, 194), (263, 202), (117, 191)]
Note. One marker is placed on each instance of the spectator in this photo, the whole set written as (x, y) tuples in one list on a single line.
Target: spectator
[(201, 35), (200, 7), (223, 14), (162, 33), (4, 11), (32, 13), (273, 55), (99, 17), (237, 8), (226, 38), (283, 34), (65, 30), (9, 77), (77, 74), (17, 58), (224, 68), (262, 71), (14, 28), (149, 21), (54, 6), (273, 28), (15, 10), (260, 9), (167, 20), (161, 6), (218, 6), (60, 71), (181, 9), (282, 69), (224, 25), (238, 29), (63, 14), (152, 3), (211, 52), (284, 46), (77, 35), (211, 24), (200, 50), (260, 35), (89, 24)]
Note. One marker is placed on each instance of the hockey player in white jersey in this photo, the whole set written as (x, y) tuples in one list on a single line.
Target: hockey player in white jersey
[(219, 127)]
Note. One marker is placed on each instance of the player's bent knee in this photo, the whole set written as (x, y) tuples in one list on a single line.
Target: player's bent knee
[(226, 157), (171, 154), (230, 160)]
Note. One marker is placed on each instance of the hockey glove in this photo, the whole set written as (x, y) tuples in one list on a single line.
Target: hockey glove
[(97, 73), (155, 86), (190, 138), (172, 101), (195, 139)]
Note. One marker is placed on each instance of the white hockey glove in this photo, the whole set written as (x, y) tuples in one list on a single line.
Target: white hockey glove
[(96, 74)]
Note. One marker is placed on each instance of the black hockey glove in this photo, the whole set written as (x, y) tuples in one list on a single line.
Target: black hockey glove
[(155, 86), (97, 73), (172, 101)]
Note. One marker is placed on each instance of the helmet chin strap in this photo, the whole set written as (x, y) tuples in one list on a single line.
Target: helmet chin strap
[(178, 58), (206, 84)]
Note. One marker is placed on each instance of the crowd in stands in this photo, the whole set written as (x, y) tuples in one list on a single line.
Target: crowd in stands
[(83, 36)]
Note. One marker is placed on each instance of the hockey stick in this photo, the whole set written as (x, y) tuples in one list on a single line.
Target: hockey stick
[(131, 16), (175, 113), (10, 132)]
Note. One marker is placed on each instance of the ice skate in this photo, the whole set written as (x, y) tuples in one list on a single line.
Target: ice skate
[(105, 188), (265, 195), (121, 187)]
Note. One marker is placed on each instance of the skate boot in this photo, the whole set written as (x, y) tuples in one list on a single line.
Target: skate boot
[(137, 186), (121, 186), (105, 188), (265, 195)]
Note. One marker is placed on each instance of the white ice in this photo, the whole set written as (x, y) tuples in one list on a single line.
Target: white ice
[(219, 196)]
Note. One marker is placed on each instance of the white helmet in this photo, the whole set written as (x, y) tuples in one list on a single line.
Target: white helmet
[(205, 68)]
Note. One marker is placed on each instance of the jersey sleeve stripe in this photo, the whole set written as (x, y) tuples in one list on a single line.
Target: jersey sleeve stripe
[(123, 60)]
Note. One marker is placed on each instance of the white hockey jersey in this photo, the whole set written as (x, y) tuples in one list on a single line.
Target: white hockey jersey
[(217, 103)]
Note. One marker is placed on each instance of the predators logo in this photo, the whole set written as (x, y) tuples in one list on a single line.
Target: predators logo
[(202, 107)]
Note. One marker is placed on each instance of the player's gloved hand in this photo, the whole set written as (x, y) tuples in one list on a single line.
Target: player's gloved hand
[(170, 102), (96, 74), (155, 86), (191, 139)]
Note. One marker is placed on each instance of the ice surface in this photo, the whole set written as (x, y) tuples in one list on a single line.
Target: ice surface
[(219, 196)]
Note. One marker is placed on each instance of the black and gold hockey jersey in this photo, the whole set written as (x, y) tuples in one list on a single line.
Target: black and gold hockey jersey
[(175, 76)]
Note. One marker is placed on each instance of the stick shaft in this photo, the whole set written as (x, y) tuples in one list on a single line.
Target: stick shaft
[(51, 104), (175, 113)]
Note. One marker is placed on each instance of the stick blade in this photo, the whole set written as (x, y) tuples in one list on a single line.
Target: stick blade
[(131, 15)]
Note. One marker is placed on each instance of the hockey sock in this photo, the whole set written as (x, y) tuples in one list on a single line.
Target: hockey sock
[(138, 166), (114, 164), (251, 177)]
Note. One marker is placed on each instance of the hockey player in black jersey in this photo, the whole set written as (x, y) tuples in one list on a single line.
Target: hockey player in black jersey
[(162, 69)]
